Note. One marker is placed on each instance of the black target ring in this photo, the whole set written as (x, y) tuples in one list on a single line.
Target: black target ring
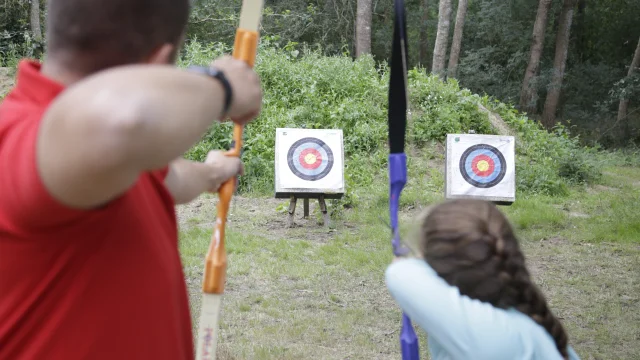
[(483, 166), (310, 159)]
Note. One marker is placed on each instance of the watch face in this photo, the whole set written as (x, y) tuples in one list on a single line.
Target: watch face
[(204, 70)]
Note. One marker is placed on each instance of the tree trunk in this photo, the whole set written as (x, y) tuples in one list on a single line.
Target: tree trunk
[(36, 29), (457, 38), (424, 40), (580, 30), (442, 38), (528, 94), (624, 103), (559, 63), (363, 27)]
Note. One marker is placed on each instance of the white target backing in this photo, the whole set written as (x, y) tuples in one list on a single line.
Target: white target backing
[(309, 161), (480, 167)]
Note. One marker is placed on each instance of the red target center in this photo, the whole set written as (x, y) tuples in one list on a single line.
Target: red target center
[(310, 159), (483, 165)]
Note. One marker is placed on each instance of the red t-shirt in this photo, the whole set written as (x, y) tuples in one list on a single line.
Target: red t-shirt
[(98, 284)]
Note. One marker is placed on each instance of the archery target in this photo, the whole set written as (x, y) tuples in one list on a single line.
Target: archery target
[(309, 160), (483, 166), (480, 166)]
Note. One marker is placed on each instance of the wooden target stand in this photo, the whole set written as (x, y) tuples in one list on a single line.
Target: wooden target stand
[(293, 201), (294, 180)]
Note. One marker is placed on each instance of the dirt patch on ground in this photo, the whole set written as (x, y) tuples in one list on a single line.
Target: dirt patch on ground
[(595, 290), (263, 217), (498, 124)]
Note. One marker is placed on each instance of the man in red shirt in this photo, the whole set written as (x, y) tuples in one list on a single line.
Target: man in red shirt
[(90, 170)]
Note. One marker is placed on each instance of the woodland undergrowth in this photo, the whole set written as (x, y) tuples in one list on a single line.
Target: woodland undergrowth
[(305, 89)]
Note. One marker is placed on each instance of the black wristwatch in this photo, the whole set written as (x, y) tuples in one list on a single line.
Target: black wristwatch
[(218, 75)]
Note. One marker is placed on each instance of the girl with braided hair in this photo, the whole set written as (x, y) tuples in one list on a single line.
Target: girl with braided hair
[(470, 290)]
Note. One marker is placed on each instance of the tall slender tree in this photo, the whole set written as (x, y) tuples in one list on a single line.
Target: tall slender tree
[(363, 27), (36, 29), (624, 103), (424, 39), (559, 64), (442, 38), (580, 30), (456, 43), (528, 93)]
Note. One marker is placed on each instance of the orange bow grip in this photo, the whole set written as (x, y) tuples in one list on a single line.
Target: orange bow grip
[(244, 48)]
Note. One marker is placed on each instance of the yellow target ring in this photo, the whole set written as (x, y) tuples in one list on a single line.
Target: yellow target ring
[(483, 165), (310, 159)]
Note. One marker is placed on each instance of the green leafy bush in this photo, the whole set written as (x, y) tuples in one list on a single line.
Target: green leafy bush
[(546, 162), (304, 89)]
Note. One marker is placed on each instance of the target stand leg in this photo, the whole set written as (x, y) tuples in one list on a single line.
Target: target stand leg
[(306, 208), (323, 208), (292, 209)]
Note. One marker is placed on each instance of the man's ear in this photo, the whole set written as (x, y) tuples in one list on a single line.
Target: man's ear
[(164, 54)]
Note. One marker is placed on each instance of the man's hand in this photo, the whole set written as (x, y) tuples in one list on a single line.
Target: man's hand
[(245, 84), (222, 168)]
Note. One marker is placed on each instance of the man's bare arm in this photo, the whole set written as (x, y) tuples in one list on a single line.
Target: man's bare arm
[(187, 179), (101, 133)]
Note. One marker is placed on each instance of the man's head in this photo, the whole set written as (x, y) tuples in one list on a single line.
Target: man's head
[(85, 36)]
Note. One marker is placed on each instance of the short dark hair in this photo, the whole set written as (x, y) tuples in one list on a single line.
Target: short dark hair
[(91, 35)]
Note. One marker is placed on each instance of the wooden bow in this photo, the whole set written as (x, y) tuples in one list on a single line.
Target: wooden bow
[(244, 48)]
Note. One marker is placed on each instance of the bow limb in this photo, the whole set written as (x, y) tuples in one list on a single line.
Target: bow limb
[(398, 101), (245, 48)]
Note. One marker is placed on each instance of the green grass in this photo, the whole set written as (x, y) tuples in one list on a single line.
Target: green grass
[(313, 292), (603, 213)]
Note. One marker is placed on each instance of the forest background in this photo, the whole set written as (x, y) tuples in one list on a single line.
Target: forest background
[(563, 61)]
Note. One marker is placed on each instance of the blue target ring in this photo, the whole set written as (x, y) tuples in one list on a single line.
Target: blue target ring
[(310, 159), (483, 166)]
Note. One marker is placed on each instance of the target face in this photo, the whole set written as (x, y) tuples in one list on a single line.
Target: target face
[(310, 159), (483, 166)]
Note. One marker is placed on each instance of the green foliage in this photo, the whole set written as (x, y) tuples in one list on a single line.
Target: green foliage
[(309, 91), (495, 50), (16, 40), (604, 34), (629, 156), (441, 108), (305, 89), (547, 162), (23, 46), (327, 22)]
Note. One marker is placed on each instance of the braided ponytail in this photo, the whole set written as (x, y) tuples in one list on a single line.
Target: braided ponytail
[(524, 295), (471, 245)]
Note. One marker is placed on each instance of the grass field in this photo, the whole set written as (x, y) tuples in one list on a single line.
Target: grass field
[(312, 292)]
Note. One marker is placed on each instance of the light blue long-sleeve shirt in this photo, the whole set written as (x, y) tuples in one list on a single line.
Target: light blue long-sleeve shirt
[(459, 327)]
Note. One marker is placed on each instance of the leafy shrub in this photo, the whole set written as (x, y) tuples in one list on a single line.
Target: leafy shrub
[(546, 162), (304, 89), (442, 108), (309, 91)]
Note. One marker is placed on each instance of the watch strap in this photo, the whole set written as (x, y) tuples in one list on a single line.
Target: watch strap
[(218, 75)]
